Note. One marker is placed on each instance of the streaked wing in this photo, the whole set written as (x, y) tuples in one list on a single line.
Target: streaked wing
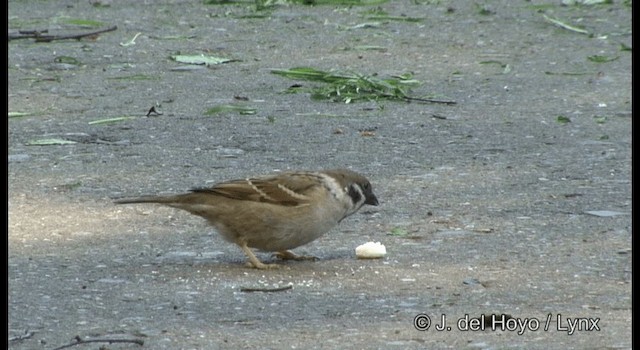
[(289, 189)]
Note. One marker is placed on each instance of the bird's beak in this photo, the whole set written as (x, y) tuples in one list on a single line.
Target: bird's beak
[(371, 199)]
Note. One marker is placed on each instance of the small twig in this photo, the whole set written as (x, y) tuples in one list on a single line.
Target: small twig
[(79, 341), (266, 290), (153, 110), (37, 34), (34, 31), (27, 334), (23, 34), (430, 100), (47, 38), (418, 99)]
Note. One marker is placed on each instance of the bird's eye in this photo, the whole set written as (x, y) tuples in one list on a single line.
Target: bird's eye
[(367, 186)]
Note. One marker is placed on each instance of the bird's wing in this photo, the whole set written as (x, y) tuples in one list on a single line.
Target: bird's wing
[(289, 189)]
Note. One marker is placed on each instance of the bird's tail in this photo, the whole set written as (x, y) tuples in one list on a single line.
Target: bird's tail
[(195, 203), (166, 200)]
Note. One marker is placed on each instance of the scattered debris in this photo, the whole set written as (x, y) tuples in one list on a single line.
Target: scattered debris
[(201, 59), (265, 290), (78, 341), (132, 41), (352, 87), (601, 58), (563, 120), (111, 120), (49, 142), (41, 36), (26, 335), (154, 111), (244, 110), (604, 213), (563, 25)]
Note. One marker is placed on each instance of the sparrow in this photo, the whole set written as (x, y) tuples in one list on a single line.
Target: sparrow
[(274, 213)]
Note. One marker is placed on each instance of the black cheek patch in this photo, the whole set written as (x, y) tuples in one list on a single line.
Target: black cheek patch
[(354, 194)]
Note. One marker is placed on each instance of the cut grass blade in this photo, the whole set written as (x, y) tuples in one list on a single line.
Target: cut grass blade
[(314, 2), (370, 48), (49, 142), (563, 25), (244, 110), (624, 47), (200, 59), (602, 59), (351, 87), (348, 87), (364, 25), (378, 14), (568, 73), (110, 120), (311, 74), (561, 119), (395, 18), (67, 60), (135, 77), (18, 114), (83, 22), (398, 232)]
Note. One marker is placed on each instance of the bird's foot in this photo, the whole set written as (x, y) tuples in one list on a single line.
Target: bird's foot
[(288, 255), (253, 260)]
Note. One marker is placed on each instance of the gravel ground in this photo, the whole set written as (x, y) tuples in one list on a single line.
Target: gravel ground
[(516, 200)]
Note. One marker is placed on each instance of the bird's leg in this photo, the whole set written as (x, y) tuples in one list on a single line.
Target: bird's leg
[(289, 255), (253, 261)]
